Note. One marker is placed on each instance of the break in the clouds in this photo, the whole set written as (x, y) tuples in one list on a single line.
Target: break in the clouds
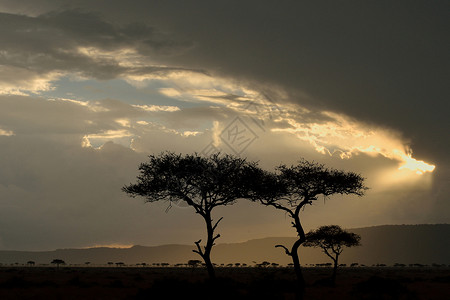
[(89, 88)]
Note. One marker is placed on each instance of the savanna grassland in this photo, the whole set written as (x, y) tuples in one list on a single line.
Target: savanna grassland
[(232, 283)]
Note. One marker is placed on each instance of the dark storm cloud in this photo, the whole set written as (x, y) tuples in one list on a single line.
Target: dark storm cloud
[(52, 42), (384, 62)]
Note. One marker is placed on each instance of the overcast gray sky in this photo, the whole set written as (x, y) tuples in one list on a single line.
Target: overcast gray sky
[(88, 89)]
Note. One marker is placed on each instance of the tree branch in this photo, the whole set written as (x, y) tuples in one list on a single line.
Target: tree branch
[(285, 249), (215, 225), (215, 238), (327, 253), (199, 251), (279, 206)]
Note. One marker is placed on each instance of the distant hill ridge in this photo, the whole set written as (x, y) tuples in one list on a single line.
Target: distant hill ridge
[(387, 244)]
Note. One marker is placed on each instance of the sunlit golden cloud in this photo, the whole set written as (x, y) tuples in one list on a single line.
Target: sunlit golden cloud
[(412, 164), (328, 132), (114, 245), (6, 132), (153, 108), (125, 57), (339, 135), (121, 136), (21, 81)]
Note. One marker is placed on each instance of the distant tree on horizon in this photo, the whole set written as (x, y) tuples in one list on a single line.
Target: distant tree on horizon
[(293, 187), (202, 183), (194, 263), (332, 239), (58, 262), (264, 264), (30, 263)]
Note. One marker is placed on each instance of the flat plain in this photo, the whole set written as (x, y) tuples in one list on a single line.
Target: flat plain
[(69, 282)]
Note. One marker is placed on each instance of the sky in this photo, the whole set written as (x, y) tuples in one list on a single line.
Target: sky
[(89, 89)]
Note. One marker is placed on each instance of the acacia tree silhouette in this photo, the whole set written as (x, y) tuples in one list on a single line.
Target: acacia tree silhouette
[(332, 239), (290, 189), (194, 263), (58, 262), (200, 182)]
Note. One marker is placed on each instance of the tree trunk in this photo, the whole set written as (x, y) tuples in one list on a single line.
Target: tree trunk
[(333, 277), (210, 267), (206, 254), (297, 268), (294, 253)]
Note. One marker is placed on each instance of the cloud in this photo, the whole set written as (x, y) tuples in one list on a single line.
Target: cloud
[(6, 132), (39, 49), (20, 81), (158, 108), (132, 51), (337, 134), (65, 117), (76, 188)]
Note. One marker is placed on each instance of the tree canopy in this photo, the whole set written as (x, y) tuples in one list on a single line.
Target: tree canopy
[(202, 182), (331, 239)]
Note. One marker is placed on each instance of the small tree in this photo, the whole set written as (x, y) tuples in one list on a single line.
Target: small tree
[(194, 263), (30, 263), (332, 239), (202, 183), (265, 264), (290, 189), (58, 262)]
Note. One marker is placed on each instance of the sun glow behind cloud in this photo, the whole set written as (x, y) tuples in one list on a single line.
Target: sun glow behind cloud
[(338, 135), (419, 166)]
